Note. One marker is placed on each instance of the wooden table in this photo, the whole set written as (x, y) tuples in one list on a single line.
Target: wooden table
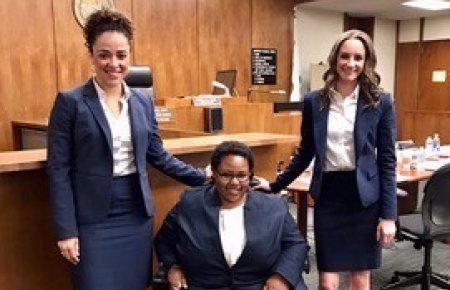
[(406, 179)]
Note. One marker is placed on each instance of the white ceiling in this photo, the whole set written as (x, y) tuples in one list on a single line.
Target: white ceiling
[(390, 9)]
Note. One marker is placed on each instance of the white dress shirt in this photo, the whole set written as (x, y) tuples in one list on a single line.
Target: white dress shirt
[(340, 150), (232, 233), (120, 127)]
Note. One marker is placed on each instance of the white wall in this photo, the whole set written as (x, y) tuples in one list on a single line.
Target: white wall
[(409, 31), (316, 33), (384, 38), (434, 28)]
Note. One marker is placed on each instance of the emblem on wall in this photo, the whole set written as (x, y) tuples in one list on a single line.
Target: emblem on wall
[(83, 8)]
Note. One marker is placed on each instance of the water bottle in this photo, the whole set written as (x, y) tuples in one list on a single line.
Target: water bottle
[(428, 147), (414, 160), (420, 158), (436, 142)]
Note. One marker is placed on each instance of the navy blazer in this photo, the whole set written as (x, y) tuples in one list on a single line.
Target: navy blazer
[(190, 238), (80, 161), (374, 137)]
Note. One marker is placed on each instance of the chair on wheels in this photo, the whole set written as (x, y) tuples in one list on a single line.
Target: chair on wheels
[(432, 223)]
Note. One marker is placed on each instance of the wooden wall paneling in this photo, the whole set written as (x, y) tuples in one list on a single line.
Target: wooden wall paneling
[(426, 123), (167, 41), (406, 125), (72, 57), (27, 77), (272, 22), (434, 96), (225, 30), (406, 85), (442, 127)]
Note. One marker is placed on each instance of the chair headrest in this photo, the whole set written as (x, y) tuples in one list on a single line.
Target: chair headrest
[(139, 76)]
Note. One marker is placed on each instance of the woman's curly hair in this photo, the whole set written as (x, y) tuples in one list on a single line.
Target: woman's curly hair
[(106, 20), (227, 148)]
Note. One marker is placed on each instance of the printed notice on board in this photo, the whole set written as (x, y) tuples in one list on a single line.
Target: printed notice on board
[(264, 66), (163, 114)]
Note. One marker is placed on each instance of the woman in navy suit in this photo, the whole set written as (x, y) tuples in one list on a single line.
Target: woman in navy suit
[(348, 127), (228, 236), (101, 136)]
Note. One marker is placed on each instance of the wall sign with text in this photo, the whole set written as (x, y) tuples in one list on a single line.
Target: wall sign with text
[(264, 66), (164, 114)]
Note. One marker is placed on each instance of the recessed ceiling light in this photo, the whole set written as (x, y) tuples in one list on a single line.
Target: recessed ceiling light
[(428, 4)]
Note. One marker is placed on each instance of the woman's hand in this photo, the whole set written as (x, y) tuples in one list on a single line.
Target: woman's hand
[(276, 282), (262, 184), (176, 278), (386, 231), (70, 249), (208, 173)]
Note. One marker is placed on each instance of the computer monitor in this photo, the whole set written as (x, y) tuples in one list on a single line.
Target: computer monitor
[(226, 77)]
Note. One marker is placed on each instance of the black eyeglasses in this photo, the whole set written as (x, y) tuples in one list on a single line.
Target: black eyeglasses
[(241, 177)]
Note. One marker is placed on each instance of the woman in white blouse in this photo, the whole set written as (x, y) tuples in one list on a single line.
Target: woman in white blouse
[(227, 236), (348, 127), (101, 136)]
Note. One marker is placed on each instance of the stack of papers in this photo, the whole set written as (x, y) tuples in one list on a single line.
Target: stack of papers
[(433, 165)]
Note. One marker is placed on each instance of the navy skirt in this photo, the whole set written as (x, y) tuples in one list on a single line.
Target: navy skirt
[(345, 231), (115, 254)]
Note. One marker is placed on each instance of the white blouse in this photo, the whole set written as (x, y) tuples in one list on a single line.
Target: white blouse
[(120, 127), (340, 150), (232, 233)]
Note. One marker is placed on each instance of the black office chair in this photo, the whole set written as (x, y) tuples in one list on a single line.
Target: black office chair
[(139, 76), (433, 223)]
